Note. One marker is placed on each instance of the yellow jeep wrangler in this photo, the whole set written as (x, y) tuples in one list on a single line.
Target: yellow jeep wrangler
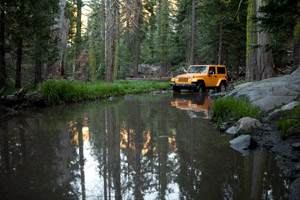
[(200, 77)]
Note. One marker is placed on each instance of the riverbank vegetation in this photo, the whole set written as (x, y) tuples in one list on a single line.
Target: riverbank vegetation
[(232, 108), (289, 122), (67, 91)]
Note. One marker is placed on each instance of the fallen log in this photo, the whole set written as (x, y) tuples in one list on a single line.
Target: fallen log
[(159, 79)]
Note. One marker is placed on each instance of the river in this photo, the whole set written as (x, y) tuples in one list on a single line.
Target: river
[(148, 147)]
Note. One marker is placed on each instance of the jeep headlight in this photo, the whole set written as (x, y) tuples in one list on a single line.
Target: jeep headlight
[(176, 78)]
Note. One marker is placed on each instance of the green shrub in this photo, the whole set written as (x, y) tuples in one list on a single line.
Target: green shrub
[(231, 108), (64, 91)]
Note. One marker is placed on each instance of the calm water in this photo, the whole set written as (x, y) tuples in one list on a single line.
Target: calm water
[(150, 147)]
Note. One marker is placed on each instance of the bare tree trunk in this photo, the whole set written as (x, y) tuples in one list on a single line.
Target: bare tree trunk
[(58, 69), (38, 64), (259, 61), (117, 28), (220, 44), (78, 33), (159, 30), (103, 18), (137, 38), (2, 50), (19, 63), (296, 62), (264, 58), (111, 46), (193, 34)]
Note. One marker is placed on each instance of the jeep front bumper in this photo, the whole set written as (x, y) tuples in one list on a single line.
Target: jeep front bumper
[(184, 85)]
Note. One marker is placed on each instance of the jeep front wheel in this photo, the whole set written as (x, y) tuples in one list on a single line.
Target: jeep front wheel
[(201, 88), (176, 89)]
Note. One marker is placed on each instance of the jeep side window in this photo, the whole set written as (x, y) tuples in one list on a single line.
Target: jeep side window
[(212, 70), (221, 70)]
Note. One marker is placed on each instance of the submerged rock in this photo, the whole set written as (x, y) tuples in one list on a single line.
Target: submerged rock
[(242, 144), (128, 96)]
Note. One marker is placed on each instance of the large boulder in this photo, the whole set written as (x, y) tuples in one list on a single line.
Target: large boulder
[(270, 93), (243, 125), (295, 190)]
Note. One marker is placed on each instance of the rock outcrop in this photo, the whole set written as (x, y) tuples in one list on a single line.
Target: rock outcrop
[(270, 93)]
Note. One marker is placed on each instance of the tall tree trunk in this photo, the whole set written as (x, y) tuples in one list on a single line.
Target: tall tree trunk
[(159, 31), (117, 28), (164, 38), (259, 61), (78, 33), (19, 63), (193, 34), (2, 49), (220, 44), (137, 37), (251, 64), (264, 57), (38, 64), (111, 46), (103, 19)]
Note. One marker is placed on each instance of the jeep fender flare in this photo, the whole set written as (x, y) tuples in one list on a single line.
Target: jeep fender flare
[(222, 80)]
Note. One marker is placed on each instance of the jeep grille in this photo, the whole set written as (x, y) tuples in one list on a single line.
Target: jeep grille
[(183, 80)]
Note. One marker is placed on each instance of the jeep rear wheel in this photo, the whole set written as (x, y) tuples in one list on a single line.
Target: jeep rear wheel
[(222, 87)]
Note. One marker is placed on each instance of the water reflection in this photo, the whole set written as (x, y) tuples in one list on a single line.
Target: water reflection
[(139, 149), (196, 106)]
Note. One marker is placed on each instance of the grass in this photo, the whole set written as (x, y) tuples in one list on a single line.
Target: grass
[(67, 91), (232, 108)]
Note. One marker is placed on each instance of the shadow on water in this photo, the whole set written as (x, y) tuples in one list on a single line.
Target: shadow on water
[(144, 148)]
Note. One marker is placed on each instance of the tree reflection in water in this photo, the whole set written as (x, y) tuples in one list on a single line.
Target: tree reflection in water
[(139, 149)]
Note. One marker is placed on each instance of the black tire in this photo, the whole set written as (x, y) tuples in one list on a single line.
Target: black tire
[(176, 89), (222, 87)]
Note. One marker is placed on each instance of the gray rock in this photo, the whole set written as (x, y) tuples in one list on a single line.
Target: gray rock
[(273, 115), (290, 106), (295, 190), (241, 144), (232, 130), (128, 96), (270, 93), (244, 124), (296, 146)]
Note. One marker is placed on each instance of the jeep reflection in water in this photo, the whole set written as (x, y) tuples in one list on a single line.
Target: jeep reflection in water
[(201, 77)]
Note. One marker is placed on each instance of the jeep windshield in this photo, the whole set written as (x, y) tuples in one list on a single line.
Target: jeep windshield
[(197, 69)]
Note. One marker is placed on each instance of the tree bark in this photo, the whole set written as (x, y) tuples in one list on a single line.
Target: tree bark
[(103, 18), (78, 33), (193, 34), (111, 46), (137, 38), (2, 50), (220, 44), (19, 63), (38, 64), (259, 61), (264, 57)]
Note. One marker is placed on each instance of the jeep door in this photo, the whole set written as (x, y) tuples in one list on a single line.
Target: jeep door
[(212, 79)]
